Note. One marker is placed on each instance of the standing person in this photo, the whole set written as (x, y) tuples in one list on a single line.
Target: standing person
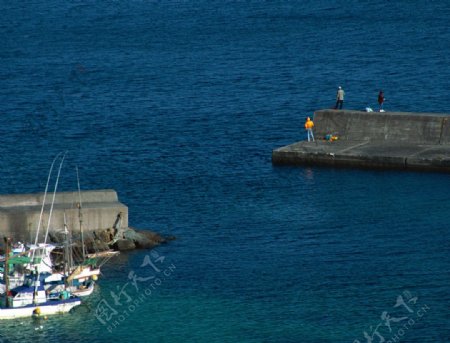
[(309, 124), (380, 100), (339, 98)]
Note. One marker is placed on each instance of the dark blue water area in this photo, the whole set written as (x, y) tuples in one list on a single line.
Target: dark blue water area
[(177, 106)]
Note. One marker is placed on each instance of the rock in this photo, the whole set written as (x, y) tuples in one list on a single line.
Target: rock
[(139, 239), (106, 235), (95, 245), (128, 239), (100, 245), (57, 236), (152, 236), (124, 244)]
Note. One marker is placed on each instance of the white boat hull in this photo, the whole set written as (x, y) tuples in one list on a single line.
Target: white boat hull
[(48, 308), (79, 292)]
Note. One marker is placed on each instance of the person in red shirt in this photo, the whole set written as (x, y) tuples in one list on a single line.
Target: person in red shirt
[(380, 100)]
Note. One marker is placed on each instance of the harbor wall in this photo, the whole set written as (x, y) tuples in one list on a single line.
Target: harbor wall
[(20, 213), (398, 127), (386, 140)]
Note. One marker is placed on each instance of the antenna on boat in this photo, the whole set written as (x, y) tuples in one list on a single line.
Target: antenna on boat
[(80, 217)]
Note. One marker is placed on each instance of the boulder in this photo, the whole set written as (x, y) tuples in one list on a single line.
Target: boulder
[(124, 244), (140, 240), (128, 239), (106, 235), (58, 237), (95, 245), (151, 236)]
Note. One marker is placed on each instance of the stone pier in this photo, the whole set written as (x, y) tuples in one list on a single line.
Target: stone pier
[(19, 214), (387, 140)]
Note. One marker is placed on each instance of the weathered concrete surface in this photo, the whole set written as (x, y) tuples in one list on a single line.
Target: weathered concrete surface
[(19, 214), (414, 141)]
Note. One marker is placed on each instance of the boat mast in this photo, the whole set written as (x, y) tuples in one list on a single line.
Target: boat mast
[(68, 259), (53, 200), (80, 217), (43, 203), (38, 272), (6, 270)]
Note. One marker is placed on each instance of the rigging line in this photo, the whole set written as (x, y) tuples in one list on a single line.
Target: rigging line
[(80, 217), (45, 196), (54, 195), (43, 202), (68, 260), (48, 223)]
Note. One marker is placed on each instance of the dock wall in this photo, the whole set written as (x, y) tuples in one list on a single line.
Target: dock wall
[(19, 214), (400, 140), (396, 127)]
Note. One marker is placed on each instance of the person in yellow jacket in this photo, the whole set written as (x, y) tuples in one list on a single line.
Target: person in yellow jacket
[(309, 124)]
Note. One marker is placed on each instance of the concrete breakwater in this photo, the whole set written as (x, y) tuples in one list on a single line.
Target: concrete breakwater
[(98, 213), (400, 140)]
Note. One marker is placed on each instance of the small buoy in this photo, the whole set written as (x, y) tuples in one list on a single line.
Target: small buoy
[(94, 277)]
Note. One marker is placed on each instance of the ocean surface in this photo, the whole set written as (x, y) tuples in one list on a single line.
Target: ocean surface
[(177, 105)]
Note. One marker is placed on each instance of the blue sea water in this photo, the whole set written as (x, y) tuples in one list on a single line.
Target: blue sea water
[(177, 106)]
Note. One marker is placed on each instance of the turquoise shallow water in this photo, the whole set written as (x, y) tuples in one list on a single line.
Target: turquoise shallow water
[(177, 105)]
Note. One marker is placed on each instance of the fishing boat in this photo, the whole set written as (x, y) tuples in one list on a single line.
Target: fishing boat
[(57, 288), (47, 307), (77, 276), (80, 276), (29, 259), (32, 299)]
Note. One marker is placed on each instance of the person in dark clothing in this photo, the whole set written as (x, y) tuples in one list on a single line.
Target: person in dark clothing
[(380, 100)]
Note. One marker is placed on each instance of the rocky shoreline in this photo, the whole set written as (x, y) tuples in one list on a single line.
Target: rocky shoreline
[(109, 239), (131, 238), (116, 239)]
